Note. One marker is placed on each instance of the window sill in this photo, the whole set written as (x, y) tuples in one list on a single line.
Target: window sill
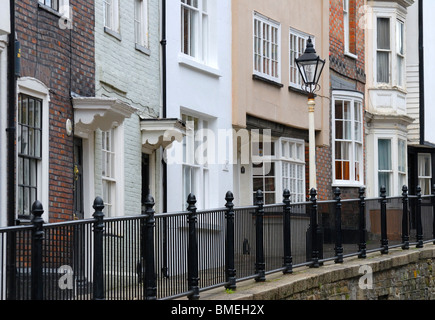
[(190, 63), (112, 33), (142, 49), (49, 9), (298, 90), (268, 81), (351, 55), (347, 185)]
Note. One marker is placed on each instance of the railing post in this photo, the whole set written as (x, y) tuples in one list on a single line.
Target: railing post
[(288, 260), (433, 211), (338, 232), (229, 243), (260, 265), (418, 217), (384, 238), (192, 250), (150, 289), (98, 271), (314, 231), (362, 224), (37, 238), (405, 219)]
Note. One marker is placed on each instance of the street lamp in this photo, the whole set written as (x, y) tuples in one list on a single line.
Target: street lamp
[(310, 67)]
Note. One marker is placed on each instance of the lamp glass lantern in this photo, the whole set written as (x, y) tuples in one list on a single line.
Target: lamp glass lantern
[(310, 67)]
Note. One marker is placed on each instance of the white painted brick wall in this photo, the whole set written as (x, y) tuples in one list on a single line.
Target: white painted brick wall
[(134, 77)]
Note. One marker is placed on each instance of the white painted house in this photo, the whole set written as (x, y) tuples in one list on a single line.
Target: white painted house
[(198, 87), (386, 91), (118, 163), (5, 29)]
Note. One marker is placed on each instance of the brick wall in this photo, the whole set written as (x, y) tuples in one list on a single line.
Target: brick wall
[(117, 60), (350, 69), (63, 59)]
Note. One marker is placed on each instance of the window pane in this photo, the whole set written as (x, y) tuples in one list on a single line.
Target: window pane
[(399, 37), (383, 34), (385, 181), (383, 67), (384, 154)]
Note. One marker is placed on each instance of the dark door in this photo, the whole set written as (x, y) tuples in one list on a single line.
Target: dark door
[(78, 179), (145, 177)]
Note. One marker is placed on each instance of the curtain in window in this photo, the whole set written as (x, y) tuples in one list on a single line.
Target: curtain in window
[(425, 173), (383, 54), (384, 163)]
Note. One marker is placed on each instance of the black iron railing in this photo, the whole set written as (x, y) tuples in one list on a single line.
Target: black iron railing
[(170, 255)]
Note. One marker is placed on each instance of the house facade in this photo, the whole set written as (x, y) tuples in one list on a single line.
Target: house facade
[(421, 136), (116, 163), (270, 112), (347, 84), (198, 92), (387, 118), (56, 62)]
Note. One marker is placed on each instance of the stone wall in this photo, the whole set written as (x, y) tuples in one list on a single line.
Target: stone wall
[(399, 275)]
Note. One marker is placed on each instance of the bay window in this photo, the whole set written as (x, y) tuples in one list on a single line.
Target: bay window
[(348, 138)]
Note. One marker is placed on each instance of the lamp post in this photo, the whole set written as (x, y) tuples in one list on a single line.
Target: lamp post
[(310, 67)]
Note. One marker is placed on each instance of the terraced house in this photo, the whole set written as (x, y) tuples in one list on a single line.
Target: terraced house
[(270, 112), (56, 62)]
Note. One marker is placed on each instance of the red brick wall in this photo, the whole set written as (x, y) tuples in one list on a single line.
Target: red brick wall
[(353, 69), (348, 68), (63, 59)]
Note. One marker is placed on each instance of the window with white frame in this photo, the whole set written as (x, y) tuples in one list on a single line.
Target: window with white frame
[(298, 43), (264, 170), (61, 6), (348, 139), (32, 172), (195, 161), (283, 168), (108, 172), (267, 46), (400, 51), (141, 22), (111, 14), (346, 25), (29, 146), (401, 147), (385, 165), (383, 50), (425, 173), (292, 156), (195, 29)]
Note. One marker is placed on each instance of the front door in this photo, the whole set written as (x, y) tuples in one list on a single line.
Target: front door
[(78, 179)]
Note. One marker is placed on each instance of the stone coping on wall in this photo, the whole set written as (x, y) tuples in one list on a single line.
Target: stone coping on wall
[(280, 286)]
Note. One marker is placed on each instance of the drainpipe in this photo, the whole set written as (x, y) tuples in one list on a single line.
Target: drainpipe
[(164, 164), (11, 138), (421, 70), (11, 114)]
